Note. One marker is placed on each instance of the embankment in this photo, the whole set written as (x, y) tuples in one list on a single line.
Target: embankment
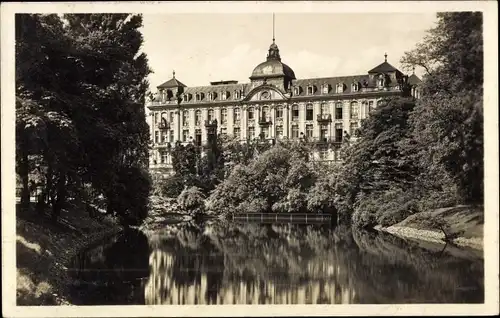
[(464, 223), (45, 248)]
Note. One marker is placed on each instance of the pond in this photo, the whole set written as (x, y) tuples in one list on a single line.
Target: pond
[(215, 263)]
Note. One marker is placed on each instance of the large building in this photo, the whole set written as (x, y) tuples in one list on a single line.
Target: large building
[(273, 105)]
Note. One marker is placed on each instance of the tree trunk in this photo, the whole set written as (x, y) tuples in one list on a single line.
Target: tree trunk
[(61, 197)]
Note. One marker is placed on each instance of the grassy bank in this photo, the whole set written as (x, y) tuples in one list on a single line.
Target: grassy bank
[(44, 250), (463, 223)]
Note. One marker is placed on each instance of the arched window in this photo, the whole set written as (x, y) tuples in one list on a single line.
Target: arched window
[(185, 118), (225, 95), (325, 89), (310, 90), (265, 112), (309, 112), (381, 81), (211, 115), (355, 87), (339, 88), (295, 112), (198, 97), (250, 113), (197, 117), (325, 109), (236, 94), (296, 90), (210, 96), (223, 115), (354, 110), (237, 115)]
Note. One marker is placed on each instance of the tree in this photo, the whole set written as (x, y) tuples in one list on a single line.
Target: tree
[(447, 124)]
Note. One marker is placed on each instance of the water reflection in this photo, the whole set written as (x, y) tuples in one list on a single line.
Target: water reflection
[(277, 264)]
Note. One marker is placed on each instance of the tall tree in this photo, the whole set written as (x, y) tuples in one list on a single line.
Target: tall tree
[(447, 125)]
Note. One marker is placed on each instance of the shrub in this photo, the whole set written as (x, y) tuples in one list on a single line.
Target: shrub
[(192, 200)]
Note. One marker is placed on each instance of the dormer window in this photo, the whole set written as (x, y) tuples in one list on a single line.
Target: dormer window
[(381, 81), (310, 90), (185, 98), (198, 97), (296, 90), (355, 87), (236, 94), (339, 88), (325, 89), (211, 96), (224, 95)]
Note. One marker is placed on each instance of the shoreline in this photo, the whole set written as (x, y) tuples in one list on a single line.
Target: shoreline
[(406, 232), (44, 254)]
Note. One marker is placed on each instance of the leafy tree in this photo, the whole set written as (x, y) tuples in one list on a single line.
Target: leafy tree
[(447, 125), (192, 200)]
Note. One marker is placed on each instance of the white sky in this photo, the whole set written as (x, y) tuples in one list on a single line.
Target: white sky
[(212, 47)]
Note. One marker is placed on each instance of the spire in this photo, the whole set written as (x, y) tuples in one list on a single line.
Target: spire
[(173, 73), (273, 28), (385, 55)]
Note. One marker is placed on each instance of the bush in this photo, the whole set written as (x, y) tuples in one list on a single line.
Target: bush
[(192, 200), (171, 186)]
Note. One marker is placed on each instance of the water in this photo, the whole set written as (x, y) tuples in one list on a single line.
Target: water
[(272, 264)]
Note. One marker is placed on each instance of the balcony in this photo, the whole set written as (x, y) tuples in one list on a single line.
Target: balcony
[(163, 124), (265, 121), (324, 118), (211, 123)]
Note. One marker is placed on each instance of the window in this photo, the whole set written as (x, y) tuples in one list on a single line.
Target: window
[(185, 98), (236, 94), (210, 96), (339, 88), (185, 118), (164, 137), (355, 87), (309, 131), (295, 131), (265, 132), (197, 137), (250, 113), (309, 112), (223, 116), (338, 132), (324, 132), (224, 95), (296, 90), (310, 90), (237, 115), (381, 81), (171, 136), (211, 115), (237, 132), (251, 132), (157, 136), (279, 112), (197, 117), (172, 117), (295, 112), (164, 158), (370, 106), (185, 135), (325, 89), (198, 97), (279, 132), (354, 110), (323, 154), (325, 109), (265, 113), (354, 127), (338, 110)]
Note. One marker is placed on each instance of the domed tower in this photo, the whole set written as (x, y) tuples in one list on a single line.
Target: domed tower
[(273, 71)]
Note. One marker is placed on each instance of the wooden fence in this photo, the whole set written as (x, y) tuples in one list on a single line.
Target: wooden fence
[(299, 218)]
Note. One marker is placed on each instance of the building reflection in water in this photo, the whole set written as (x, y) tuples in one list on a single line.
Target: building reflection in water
[(238, 271)]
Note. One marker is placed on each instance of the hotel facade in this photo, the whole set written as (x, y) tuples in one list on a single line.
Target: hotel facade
[(273, 105)]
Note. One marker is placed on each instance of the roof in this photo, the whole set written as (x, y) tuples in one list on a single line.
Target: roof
[(272, 67), (414, 80), (171, 83), (384, 68)]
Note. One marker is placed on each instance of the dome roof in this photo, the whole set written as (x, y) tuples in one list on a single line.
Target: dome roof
[(272, 68)]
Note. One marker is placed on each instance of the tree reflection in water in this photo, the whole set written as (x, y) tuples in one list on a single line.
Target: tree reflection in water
[(289, 264)]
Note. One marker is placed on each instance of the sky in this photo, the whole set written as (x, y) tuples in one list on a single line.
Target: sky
[(203, 47)]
